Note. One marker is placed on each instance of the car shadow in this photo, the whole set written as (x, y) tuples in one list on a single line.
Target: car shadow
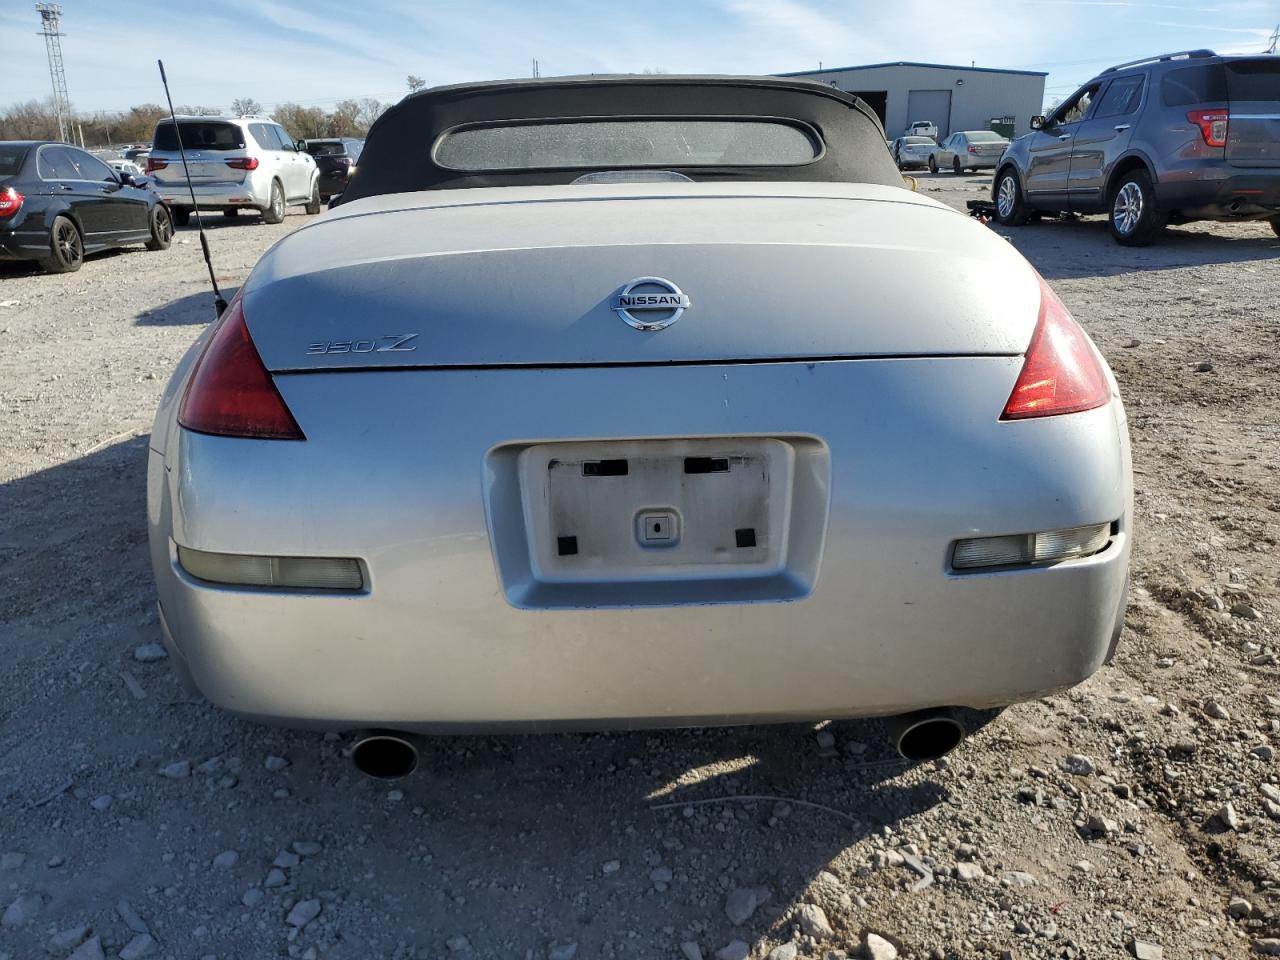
[(1083, 247), (571, 831), (30, 268), (191, 310)]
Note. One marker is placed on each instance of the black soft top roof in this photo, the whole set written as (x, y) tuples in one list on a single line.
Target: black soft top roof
[(397, 155)]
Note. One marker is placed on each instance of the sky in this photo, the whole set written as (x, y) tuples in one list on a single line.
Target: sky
[(317, 52)]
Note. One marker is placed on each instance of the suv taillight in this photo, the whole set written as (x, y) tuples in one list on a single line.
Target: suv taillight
[(231, 393), (1213, 125), (248, 163), (10, 201), (1061, 372), (154, 165)]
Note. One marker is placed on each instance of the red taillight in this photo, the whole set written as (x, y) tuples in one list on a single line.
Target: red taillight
[(154, 165), (1061, 372), (248, 163), (10, 201), (1212, 124), (973, 149), (231, 394)]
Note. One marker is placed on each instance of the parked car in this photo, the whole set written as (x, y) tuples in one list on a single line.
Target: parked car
[(336, 159), (922, 128), (515, 437), (136, 152), (968, 150), (1170, 139), (911, 152), (125, 166), (236, 163), (58, 203)]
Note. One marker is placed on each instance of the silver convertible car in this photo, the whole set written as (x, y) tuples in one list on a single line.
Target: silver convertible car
[(637, 401)]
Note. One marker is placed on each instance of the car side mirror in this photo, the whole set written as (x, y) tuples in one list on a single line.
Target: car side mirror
[(127, 180), (301, 145), (1039, 123)]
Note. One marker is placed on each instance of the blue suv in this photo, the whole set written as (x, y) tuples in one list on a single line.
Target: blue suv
[(1170, 139)]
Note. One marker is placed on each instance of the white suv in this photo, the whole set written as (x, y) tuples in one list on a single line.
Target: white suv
[(235, 162)]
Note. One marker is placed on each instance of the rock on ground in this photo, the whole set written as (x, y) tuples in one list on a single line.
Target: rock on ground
[(303, 912), (877, 947), (813, 921)]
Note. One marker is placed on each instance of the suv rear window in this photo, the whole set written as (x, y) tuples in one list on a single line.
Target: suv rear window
[(1254, 79), (199, 135), (621, 143), (1201, 84), (330, 148)]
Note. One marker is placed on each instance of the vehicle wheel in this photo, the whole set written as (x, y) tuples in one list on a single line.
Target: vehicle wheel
[(1135, 221), (955, 166), (1011, 209), (274, 213), (1275, 225), (313, 205), (181, 216), (933, 163), (231, 212), (161, 228), (66, 249)]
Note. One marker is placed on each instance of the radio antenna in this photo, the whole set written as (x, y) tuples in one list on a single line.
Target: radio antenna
[(219, 304)]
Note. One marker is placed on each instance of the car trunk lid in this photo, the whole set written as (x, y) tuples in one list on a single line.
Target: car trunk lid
[(1253, 135), (531, 277)]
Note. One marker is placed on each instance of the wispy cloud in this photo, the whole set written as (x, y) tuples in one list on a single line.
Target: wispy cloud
[(319, 51)]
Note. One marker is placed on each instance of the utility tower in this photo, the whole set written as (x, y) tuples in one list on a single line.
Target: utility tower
[(1275, 38), (50, 21)]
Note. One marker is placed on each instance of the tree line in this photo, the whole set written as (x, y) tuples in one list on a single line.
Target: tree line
[(37, 120)]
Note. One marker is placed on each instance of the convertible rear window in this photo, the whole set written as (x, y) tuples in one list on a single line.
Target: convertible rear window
[(199, 135), (624, 142)]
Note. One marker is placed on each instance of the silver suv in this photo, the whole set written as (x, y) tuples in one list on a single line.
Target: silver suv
[(1170, 139), (235, 162)]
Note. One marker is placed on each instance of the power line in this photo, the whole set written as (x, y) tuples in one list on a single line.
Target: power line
[(51, 21)]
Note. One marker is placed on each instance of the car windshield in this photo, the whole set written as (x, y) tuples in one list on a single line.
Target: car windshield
[(983, 136), (200, 135), (11, 159), (326, 148), (627, 143)]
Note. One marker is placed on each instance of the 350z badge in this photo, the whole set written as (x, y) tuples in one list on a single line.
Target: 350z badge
[(392, 343)]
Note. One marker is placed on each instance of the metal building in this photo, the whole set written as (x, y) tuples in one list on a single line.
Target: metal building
[(953, 98)]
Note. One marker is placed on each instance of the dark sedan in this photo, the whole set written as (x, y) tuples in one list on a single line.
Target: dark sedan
[(336, 157), (58, 203)]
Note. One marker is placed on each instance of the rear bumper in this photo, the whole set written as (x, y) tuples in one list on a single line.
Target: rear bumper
[(437, 642), (21, 239), (215, 196), (1221, 192), (331, 183)]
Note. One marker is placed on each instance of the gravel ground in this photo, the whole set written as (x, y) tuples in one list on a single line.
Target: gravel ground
[(1137, 815)]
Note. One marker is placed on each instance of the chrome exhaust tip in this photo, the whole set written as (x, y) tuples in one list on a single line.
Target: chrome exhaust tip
[(384, 755), (925, 734)]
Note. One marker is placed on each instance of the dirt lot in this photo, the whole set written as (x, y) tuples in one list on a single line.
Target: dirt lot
[(134, 822)]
